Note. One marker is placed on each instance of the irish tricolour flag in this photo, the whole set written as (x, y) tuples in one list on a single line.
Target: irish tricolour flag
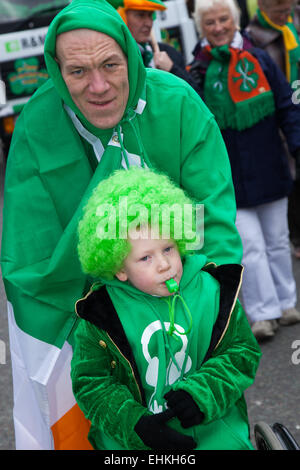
[(43, 200), (43, 280), (46, 415)]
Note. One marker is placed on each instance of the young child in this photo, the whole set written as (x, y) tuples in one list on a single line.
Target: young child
[(154, 368)]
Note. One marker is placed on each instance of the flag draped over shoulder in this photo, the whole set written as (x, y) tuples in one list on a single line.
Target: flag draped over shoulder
[(43, 280), (50, 174)]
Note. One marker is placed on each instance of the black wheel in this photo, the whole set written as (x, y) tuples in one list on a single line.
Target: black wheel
[(285, 437), (266, 438)]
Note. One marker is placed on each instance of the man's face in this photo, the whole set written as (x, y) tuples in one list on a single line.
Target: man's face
[(140, 23), (150, 263), (277, 13), (94, 69), (218, 26)]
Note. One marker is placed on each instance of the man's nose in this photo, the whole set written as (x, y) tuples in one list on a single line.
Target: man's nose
[(148, 21), (98, 82)]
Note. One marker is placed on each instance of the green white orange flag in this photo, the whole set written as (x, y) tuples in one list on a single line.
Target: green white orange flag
[(52, 168)]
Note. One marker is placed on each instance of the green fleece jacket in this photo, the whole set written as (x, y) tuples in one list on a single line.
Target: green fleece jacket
[(57, 158), (124, 363)]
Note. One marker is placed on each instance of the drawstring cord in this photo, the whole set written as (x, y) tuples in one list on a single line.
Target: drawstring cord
[(171, 305), (170, 333), (123, 150), (172, 329), (141, 149)]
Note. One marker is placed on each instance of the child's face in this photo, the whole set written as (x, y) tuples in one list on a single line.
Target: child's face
[(150, 263)]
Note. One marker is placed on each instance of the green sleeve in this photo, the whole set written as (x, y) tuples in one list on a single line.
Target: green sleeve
[(191, 150), (231, 369), (107, 396), (42, 202), (206, 175)]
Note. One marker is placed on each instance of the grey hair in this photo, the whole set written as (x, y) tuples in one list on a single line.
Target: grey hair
[(202, 6)]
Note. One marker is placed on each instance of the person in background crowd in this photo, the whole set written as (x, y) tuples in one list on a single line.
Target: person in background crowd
[(275, 28), (250, 98), (244, 19), (251, 6), (100, 110), (139, 17)]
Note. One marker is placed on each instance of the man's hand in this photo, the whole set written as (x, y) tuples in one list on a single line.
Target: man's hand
[(158, 436), (162, 61)]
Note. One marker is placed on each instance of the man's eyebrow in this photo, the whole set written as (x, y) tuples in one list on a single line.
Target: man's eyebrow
[(113, 56), (79, 64)]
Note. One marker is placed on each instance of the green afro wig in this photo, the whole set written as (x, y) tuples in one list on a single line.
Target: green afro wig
[(126, 200)]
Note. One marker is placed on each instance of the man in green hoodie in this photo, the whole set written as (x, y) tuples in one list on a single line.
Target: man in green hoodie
[(172, 315), (101, 110)]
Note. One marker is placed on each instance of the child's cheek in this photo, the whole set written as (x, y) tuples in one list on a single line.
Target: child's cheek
[(143, 282)]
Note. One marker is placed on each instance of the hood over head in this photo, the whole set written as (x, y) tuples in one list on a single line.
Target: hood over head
[(96, 15)]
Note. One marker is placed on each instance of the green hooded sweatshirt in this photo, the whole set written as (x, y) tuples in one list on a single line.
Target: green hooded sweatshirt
[(167, 358), (57, 158)]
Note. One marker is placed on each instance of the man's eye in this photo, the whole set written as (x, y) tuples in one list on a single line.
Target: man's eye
[(110, 66), (77, 72)]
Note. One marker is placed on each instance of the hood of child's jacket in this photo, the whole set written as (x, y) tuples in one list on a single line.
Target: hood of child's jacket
[(96, 15)]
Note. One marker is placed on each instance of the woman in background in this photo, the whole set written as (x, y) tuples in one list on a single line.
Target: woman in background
[(251, 100)]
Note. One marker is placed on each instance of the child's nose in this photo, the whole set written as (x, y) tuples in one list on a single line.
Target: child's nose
[(163, 263)]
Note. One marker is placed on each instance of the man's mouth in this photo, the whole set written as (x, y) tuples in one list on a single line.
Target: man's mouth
[(101, 104)]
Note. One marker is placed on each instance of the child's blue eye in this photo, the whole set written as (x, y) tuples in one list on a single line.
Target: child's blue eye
[(144, 258)]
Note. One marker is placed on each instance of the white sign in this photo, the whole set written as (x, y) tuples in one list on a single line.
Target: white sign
[(22, 44)]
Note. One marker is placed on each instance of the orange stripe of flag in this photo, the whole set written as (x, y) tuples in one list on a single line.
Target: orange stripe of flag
[(71, 430)]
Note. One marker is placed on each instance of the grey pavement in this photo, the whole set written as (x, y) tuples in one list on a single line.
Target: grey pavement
[(274, 397)]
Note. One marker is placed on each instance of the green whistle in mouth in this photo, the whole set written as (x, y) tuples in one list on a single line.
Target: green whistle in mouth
[(172, 286)]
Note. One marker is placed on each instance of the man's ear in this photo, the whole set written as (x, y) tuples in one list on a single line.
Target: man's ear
[(122, 276)]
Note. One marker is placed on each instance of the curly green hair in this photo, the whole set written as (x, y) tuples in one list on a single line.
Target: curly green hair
[(133, 198)]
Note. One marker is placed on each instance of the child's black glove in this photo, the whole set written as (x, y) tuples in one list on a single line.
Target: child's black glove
[(184, 407), (158, 436)]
